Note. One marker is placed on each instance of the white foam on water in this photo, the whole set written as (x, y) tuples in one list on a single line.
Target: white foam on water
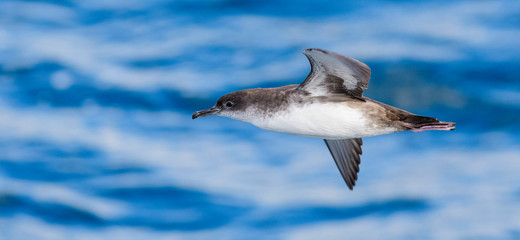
[(428, 32)]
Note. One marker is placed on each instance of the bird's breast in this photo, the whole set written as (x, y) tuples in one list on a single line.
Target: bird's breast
[(322, 120)]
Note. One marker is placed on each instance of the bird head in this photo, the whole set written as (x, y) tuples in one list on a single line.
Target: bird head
[(228, 105)]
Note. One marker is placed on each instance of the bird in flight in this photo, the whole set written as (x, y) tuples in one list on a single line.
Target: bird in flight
[(328, 104)]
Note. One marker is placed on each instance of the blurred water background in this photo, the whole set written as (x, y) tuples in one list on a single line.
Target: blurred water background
[(96, 139)]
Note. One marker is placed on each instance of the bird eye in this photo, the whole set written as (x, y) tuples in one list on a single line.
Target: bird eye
[(229, 104)]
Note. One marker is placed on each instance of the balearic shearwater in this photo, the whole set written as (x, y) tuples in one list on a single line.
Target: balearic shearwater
[(329, 104)]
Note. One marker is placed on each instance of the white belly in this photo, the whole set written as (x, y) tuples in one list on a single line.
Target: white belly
[(327, 120)]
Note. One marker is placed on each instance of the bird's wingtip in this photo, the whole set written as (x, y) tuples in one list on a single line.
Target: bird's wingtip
[(308, 50)]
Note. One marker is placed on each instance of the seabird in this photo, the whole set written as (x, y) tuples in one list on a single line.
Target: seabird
[(328, 104)]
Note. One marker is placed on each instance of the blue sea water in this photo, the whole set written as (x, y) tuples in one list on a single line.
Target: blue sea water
[(97, 141)]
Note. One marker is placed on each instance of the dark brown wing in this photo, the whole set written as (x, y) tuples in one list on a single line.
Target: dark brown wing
[(346, 153), (334, 73)]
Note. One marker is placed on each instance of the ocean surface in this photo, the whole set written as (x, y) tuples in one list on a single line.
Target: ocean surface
[(97, 140)]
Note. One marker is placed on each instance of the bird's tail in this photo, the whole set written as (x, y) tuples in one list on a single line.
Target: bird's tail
[(416, 123)]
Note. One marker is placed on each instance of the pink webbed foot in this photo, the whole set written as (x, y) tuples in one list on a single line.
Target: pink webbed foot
[(440, 126)]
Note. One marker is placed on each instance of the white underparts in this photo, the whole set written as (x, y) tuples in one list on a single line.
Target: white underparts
[(319, 120)]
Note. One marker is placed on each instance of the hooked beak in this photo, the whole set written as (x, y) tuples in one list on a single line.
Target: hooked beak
[(204, 113)]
